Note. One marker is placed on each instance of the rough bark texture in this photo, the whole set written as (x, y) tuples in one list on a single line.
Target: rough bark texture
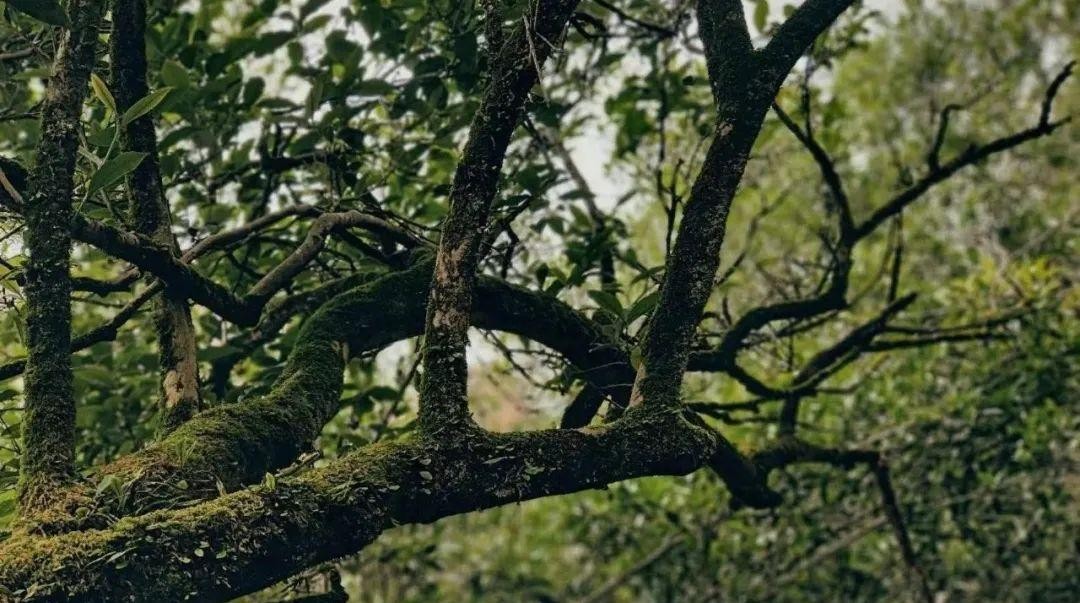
[(49, 423), (190, 526), (443, 402), (258, 536), (739, 92), (237, 444), (150, 215)]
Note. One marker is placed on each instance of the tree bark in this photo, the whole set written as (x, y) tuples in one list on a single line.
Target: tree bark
[(150, 214), (49, 421), (443, 402), (253, 538)]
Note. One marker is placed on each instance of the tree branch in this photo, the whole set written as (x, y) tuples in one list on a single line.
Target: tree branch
[(692, 266), (99, 334), (971, 156), (833, 358), (443, 397), (255, 537), (49, 420), (108, 331), (180, 398), (798, 32), (237, 444), (828, 173), (789, 450), (660, 31)]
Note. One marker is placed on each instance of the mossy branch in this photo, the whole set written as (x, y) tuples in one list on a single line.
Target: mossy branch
[(49, 421), (250, 539)]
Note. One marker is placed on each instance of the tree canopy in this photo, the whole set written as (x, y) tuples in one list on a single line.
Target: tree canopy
[(539, 300)]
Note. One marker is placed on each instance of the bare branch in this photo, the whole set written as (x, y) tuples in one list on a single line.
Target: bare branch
[(789, 451), (896, 520), (828, 361), (99, 334), (828, 173), (971, 156), (660, 30), (933, 158)]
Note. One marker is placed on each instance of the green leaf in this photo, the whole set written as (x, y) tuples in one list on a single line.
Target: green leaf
[(46, 11), (382, 392), (7, 508), (607, 301), (114, 169), (144, 105), (761, 14), (642, 306), (310, 7), (102, 92), (373, 88), (174, 74)]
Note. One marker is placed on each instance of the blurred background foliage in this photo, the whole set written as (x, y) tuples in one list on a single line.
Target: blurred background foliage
[(364, 104)]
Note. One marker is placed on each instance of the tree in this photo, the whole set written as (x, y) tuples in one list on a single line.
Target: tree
[(401, 236)]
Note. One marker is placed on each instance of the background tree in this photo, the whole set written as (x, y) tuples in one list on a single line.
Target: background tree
[(714, 235)]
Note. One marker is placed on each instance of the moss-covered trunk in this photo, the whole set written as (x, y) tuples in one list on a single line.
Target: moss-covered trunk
[(49, 423)]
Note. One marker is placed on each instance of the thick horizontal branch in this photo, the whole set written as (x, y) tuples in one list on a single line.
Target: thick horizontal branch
[(247, 540)]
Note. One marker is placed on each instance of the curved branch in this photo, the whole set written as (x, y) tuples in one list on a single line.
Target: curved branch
[(237, 444), (150, 256), (789, 451), (108, 330), (828, 172), (799, 31), (971, 156)]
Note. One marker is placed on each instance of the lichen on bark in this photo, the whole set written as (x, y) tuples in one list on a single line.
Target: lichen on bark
[(49, 422)]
